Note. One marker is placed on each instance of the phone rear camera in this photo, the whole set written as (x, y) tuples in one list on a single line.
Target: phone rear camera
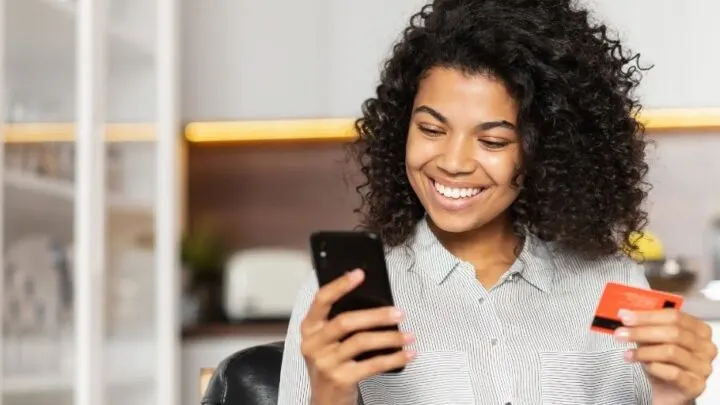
[(323, 254)]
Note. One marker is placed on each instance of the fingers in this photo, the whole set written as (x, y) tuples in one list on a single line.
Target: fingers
[(326, 296), (335, 361), (690, 384), (671, 355), (329, 358), (673, 346), (349, 322), (367, 341), (668, 326), (660, 334), (379, 364), (667, 317)]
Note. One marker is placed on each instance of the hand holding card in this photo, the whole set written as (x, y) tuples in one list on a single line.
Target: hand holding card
[(675, 348), (619, 297)]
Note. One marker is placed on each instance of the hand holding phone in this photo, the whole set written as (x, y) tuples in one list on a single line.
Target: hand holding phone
[(351, 329)]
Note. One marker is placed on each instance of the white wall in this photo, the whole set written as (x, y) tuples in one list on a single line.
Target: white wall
[(682, 40), (272, 59), (246, 59)]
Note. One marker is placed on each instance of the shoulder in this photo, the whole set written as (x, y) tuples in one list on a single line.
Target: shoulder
[(306, 294), (616, 268)]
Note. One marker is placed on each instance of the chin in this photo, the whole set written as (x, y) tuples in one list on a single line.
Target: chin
[(455, 223)]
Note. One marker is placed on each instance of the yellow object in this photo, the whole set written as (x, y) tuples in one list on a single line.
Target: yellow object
[(342, 129), (649, 246)]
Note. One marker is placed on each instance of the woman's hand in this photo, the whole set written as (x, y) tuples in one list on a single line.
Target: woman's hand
[(676, 350), (333, 373)]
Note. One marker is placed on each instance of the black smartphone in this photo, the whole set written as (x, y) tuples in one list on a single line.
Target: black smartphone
[(338, 252)]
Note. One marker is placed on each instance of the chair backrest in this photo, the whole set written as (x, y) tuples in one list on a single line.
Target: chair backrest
[(249, 377)]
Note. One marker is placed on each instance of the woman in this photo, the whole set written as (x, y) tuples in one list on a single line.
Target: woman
[(505, 172)]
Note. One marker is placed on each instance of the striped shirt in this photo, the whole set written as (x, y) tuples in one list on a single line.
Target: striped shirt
[(526, 341)]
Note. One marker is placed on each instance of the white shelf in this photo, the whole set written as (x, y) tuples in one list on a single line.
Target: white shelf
[(38, 205), (130, 365), (48, 191), (65, 382), (48, 42)]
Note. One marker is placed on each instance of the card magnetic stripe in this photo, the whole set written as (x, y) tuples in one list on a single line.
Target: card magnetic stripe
[(609, 323)]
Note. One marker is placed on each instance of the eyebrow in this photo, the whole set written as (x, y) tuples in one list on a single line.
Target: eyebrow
[(483, 126)]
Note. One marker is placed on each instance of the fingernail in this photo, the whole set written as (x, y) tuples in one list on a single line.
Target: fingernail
[(356, 275), (410, 354), (408, 337), (397, 314), (622, 333), (627, 317)]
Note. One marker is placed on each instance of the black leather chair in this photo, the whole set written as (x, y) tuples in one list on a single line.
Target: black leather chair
[(248, 377)]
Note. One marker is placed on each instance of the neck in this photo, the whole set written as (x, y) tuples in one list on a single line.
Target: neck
[(491, 249)]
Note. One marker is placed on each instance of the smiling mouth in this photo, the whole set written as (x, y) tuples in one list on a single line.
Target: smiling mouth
[(457, 193)]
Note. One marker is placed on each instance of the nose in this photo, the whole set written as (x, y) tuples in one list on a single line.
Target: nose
[(457, 157)]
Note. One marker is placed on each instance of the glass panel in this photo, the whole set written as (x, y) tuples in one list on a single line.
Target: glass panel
[(38, 186), (130, 183)]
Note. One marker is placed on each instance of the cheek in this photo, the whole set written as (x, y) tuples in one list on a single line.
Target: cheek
[(502, 168), (417, 153)]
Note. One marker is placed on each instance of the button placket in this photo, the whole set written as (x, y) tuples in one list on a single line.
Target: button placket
[(499, 355)]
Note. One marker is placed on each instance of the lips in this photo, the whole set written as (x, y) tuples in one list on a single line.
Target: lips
[(456, 192), (455, 197)]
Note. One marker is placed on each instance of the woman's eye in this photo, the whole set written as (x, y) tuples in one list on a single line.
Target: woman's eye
[(430, 131), (493, 144)]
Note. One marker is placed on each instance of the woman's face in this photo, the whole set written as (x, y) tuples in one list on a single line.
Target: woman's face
[(463, 150)]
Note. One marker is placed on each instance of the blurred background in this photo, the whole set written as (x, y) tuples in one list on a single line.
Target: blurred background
[(209, 136)]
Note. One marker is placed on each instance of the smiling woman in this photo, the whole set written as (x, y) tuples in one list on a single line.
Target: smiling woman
[(505, 170)]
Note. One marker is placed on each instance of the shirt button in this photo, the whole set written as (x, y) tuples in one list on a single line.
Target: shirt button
[(493, 341)]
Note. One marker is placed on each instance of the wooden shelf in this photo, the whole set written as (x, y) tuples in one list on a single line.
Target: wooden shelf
[(245, 328), (342, 129)]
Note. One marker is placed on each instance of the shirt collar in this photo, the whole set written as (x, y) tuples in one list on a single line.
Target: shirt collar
[(535, 263)]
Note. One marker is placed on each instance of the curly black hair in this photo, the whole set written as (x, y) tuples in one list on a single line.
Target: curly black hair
[(583, 150)]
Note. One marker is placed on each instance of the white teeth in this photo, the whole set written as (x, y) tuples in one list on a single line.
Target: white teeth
[(456, 192)]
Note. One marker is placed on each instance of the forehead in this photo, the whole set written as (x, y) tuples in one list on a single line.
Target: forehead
[(461, 96)]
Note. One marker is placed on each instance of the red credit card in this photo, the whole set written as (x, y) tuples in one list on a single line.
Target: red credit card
[(619, 296)]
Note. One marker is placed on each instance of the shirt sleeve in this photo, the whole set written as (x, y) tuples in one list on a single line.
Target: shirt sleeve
[(635, 276), (294, 380)]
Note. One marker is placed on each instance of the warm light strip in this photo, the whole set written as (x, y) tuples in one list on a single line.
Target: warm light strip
[(341, 129), (324, 129), (679, 119), (65, 132), (331, 129)]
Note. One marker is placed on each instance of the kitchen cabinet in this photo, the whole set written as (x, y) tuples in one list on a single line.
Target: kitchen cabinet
[(90, 151)]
